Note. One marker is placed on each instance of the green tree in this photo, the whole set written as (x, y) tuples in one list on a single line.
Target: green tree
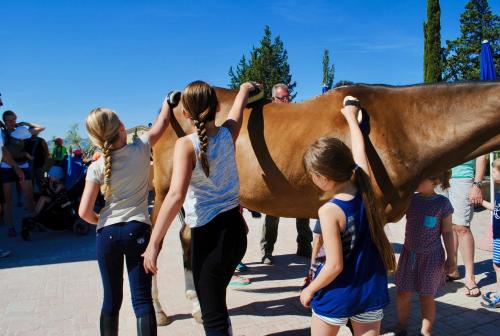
[(268, 65), (328, 70), (433, 55), (477, 23), (73, 136)]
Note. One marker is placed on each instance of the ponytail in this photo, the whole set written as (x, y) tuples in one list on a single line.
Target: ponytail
[(375, 221)]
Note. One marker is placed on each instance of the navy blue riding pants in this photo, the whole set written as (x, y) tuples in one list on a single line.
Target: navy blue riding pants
[(114, 243)]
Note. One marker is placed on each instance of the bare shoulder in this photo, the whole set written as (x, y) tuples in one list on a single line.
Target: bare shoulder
[(330, 210)]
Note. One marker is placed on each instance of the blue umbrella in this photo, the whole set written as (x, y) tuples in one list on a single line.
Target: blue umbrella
[(487, 65), (487, 72)]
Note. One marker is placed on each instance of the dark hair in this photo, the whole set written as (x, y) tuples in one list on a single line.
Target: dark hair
[(8, 113), (331, 158), (199, 100)]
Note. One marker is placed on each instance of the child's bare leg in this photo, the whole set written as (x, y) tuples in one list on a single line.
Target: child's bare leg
[(403, 305), (366, 329), (321, 328), (497, 271), (27, 188), (428, 309), (42, 202)]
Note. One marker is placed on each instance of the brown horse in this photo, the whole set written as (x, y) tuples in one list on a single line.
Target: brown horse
[(411, 132)]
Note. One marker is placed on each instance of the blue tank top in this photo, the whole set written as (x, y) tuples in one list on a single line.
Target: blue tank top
[(362, 285)]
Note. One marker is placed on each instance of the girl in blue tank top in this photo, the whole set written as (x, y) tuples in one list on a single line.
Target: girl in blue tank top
[(351, 282)]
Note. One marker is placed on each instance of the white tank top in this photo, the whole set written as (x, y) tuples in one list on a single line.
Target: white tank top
[(209, 196)]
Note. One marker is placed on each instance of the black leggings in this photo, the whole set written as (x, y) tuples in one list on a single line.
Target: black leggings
[(216, 249)]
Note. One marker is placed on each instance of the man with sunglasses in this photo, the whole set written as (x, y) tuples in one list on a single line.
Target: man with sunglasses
[(281, 95)]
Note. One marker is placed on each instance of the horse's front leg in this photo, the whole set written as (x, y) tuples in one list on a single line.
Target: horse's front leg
[(162, 319), (185, 237)]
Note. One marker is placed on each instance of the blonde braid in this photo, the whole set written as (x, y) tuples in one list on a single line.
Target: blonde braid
[(202, 136), (106, 152)]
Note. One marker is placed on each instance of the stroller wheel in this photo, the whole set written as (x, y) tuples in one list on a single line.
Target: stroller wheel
[(80, 227)]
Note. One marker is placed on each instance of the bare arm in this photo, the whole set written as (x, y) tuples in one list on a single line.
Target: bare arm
[(161, 123), (33, 128), (181, 175), (316, 246), (357, 141), (235, 115), (447, 233), (86, 209), (487, 205), (331, 218), (476, 194)]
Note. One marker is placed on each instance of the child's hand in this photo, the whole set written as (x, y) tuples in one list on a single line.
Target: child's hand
[(306, 296), (251, 86), (350, 112), (150, 257)]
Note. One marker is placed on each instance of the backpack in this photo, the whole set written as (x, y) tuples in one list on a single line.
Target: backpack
[(16, 148)]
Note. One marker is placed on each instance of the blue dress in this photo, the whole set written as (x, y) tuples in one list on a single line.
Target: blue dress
[(362, 285)]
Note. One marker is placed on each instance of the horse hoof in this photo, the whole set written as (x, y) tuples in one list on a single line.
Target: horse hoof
[(191, 294), (162, 319), (197, 315)]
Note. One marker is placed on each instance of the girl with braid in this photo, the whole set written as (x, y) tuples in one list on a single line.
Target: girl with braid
[(205, 180), (123, 224)]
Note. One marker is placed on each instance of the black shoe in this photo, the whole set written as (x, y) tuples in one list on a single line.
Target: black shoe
[(304, 251), (255, 214), (109, 325), (267, 259), (146, 325)]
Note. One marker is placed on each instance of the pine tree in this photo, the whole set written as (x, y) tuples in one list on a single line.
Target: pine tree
[(328, 70), (268, 65), (433, 56), (477, 23)]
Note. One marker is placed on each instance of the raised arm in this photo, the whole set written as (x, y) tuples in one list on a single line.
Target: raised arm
[(181, 175), (34, 129), (350, 113), (235, 115), (161, 123)]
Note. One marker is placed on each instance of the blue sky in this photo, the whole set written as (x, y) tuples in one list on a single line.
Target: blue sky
[(59, 59)]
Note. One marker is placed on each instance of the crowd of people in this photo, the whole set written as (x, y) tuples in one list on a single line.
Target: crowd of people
[(351, 255)]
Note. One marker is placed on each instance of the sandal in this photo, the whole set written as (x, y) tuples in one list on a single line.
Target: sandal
[(491, 302), (450, 278), (471, 289), (488, 296)]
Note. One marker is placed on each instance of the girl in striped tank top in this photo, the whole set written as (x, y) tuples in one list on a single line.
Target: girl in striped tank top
[(205, 181), (351, 283)]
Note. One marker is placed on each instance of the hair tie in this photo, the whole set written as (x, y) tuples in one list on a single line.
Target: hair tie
[(355, 167)]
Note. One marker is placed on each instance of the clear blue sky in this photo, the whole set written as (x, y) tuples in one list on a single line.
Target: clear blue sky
[(59, 59)]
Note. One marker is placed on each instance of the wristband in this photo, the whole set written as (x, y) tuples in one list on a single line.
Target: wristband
[(478, 184)]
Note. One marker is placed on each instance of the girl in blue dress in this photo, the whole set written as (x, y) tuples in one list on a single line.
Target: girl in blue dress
[(351, 282)]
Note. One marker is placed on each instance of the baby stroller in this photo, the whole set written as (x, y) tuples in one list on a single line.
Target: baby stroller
[(61, 212)]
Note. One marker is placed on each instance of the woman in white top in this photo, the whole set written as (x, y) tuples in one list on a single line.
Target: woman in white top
[(205, 180), (123, 225)]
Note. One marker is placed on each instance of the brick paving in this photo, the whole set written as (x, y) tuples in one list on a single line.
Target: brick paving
[(51, 286)]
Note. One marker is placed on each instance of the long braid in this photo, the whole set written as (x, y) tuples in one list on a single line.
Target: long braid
[(202, 136), (106, 152), (199, 100)]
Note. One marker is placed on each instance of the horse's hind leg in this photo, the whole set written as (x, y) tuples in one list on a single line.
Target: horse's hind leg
[(185, 236)]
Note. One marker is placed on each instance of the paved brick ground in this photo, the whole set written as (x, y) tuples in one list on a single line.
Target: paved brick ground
[(51, 286)]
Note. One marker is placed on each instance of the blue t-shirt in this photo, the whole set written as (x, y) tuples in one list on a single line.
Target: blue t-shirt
[(362, 285), (496, 216)]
